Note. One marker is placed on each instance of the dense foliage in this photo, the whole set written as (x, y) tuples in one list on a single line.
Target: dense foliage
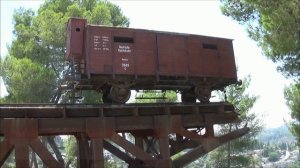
[(156, 97), (275, 25), (36, 55), (292, 96), (234, 153)]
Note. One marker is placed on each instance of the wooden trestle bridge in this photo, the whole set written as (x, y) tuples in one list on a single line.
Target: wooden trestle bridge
[(160, 131)]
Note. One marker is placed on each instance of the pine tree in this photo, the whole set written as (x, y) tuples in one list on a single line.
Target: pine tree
[(274, 25), (236, 153)]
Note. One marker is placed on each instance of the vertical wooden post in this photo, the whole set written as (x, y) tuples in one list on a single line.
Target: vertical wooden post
[(97, 129), (83, 150), (209, 131), (97, 153), (162, 132), (21, 153), (21, 132)]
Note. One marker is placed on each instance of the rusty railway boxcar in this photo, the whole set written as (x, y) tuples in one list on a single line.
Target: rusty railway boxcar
[(115, 60)]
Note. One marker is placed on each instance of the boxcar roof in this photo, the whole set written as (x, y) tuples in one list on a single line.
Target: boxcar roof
[(157, 31)]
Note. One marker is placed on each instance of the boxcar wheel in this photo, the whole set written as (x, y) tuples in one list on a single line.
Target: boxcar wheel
[(119, 94), (203, 94)]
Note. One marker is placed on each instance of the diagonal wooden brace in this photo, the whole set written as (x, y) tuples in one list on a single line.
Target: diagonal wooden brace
[(134, 150), (207, 145), (21, 134), (44, 154), (6, 147)]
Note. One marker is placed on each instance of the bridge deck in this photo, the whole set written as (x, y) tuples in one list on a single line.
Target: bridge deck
[(172, 126), (106, 110)]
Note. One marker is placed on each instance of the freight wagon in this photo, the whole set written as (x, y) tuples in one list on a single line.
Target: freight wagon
[(115, 60)]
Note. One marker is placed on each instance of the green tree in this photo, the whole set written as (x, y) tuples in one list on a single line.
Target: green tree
[(156, 97), (71, 153), (22, 73), (295, 164), (266, 151), (274, 156), (43, 42), (292, 96), (275, 26), (234, 153)]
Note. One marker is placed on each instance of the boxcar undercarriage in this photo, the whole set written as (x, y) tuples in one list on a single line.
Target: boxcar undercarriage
[(117, 88)]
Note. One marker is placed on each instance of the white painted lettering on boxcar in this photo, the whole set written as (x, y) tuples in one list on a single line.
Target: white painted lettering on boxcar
[(124, 49), (125, 66), (105, 43), (101, 43), (105, 38), (96, 43), (97, 48)]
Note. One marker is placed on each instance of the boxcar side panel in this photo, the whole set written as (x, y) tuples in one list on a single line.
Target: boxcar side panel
[(164, 54), (172, 54), (211, 57), (145, 52), (195, 59), (227, 58), (99, 50), (123, 51), (179, 53)]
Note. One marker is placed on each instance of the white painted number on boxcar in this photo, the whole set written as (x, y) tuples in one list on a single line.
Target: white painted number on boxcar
[(125, 66)]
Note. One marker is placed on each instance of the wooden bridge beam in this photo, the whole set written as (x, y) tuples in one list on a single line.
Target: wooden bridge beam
[(95, 127)]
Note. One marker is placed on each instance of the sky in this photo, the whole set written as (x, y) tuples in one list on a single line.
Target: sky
[(193, 17)]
